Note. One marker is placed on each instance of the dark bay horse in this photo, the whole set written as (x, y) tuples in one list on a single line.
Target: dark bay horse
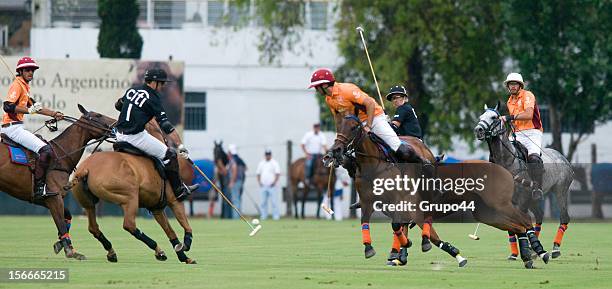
[(319, 178), (493, 204), (558, 173), (221, 160), (131, 181), (16, 180)]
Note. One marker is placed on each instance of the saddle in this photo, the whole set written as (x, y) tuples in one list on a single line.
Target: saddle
[(389, 154), (20, 155), (125, 147)]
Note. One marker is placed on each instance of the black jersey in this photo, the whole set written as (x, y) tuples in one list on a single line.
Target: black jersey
[(140, 105), (409, 124)]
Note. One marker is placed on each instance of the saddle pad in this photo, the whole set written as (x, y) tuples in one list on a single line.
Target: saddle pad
[(18, 156)]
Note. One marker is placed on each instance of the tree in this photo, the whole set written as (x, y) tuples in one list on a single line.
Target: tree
[(563, 50), (119, 37), (447, 53)]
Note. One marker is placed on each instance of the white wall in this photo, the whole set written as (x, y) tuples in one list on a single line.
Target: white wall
[(249, 104)]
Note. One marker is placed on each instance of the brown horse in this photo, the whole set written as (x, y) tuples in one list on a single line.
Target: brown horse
[(16, 180), (319, 178), (131, 182), (493, 205)]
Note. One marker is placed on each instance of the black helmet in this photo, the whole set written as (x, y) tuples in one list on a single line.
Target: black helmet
[(156, 74), (397, 89)]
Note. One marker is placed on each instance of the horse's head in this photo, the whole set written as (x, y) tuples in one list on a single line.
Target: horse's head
[(97, 124), (349, 133), (219, 154), (489, 125)]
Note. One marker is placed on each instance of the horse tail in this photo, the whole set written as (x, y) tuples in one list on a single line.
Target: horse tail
[(80, 178)]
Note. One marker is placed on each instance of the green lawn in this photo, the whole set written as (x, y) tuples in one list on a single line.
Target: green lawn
[(302, 254)]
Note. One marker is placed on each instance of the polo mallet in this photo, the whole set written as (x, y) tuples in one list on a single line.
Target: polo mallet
[(360, 29), (329, 193), (475, 236), (255, 229), (7, 66)]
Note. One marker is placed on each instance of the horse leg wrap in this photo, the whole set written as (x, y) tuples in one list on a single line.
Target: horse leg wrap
[(187, 240), (523, 243), (145, 239), (450, 249), (105, 242), (180, 254), (513, 245), (365, 233), (560, 233), (68, 219), (426, 229), (535, 243), (538, 228)]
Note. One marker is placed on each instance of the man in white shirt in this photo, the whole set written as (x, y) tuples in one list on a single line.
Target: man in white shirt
[(314, 146), (268, 173)]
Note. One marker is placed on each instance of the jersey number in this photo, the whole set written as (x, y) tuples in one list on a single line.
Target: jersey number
[(129, 111)]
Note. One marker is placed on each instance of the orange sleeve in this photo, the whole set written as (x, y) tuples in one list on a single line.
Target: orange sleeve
[(354, 94), (14, 93), (529, 101)]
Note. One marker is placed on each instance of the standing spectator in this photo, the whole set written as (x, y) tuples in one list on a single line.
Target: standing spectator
[(342, 181), (268, 174), (236, 170), (314, 145)]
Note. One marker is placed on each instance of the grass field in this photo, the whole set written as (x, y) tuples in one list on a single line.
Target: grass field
[(302, 254)]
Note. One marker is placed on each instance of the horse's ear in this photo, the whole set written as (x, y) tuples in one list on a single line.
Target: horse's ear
[(215, 142), (486, 106), (497, 105), (82, 109)]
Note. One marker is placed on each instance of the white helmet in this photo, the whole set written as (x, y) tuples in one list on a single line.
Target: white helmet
[(514, 77)]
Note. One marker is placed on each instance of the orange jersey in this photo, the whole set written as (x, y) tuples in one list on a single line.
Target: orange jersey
[(524, 100), (347, 97), (19, 94)]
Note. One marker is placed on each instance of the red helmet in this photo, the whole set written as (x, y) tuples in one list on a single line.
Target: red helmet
[(26, 62), (320, 76)]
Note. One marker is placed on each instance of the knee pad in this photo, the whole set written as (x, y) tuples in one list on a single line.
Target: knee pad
[(46, 149), (534, 158)]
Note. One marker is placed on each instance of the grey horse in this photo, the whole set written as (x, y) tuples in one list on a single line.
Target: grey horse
[(557, 177)]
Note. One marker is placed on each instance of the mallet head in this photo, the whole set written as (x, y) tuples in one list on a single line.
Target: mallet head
[(473, 237), (359, 29)]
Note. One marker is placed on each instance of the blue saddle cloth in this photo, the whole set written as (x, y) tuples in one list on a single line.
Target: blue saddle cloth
[(18, 155)]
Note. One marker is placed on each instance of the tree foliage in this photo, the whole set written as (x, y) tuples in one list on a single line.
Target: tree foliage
[(563, 49), (452, 55), (119, 37)]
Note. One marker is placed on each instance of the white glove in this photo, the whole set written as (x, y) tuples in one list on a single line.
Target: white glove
[(35, 108), (183, 152)]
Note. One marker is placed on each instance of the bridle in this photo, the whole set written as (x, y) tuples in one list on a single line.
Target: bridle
[(491, 129), (86, 122)]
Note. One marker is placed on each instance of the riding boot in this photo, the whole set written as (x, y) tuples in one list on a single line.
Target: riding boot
[(407, 154), (536, 171), (45, 154), (171, 167)]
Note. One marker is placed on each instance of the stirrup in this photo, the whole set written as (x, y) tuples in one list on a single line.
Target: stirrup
[(38, 195)]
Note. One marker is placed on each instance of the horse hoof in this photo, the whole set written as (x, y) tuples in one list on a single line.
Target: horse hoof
[(369, 251), (529, 264), (394, 262), (112, 258), (461, 261), (78, 256), (191, 261), (512, 257), (545, 257), (57, 247), (425, 244), (161, 256), (403, 256), (556, 251)]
